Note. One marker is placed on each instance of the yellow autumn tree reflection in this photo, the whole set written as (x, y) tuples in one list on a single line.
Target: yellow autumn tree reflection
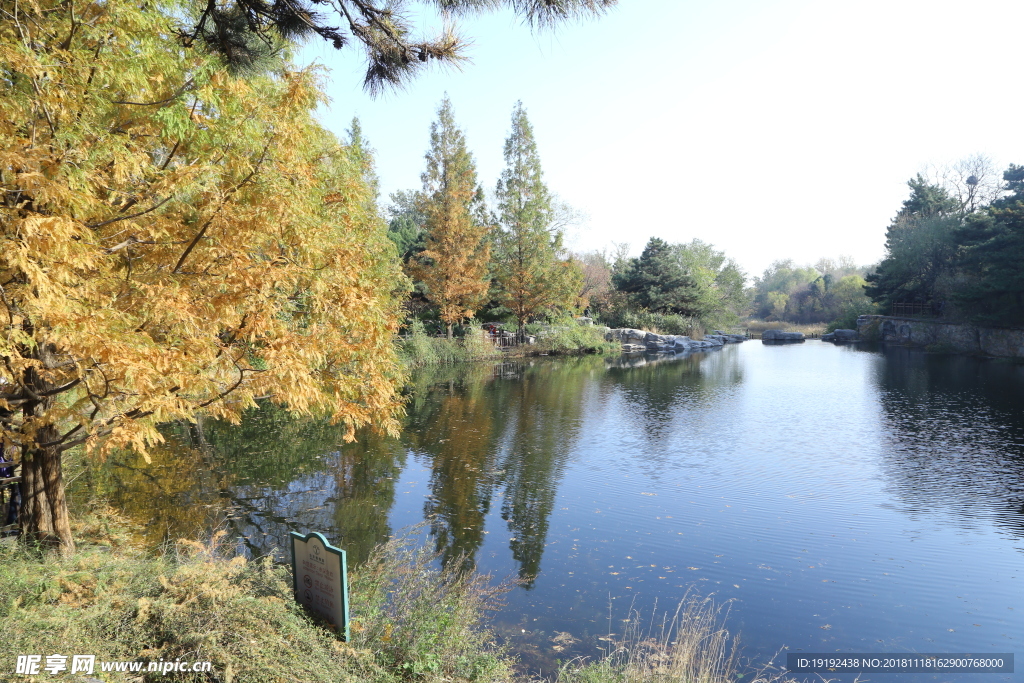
[(457, 428)]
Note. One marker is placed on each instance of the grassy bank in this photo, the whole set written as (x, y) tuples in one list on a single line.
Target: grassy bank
[(570, 338), (759, 326), (419, 348), (201, 602)]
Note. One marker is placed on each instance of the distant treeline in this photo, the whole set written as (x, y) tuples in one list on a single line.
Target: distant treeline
[(832, 290), (954, 249)]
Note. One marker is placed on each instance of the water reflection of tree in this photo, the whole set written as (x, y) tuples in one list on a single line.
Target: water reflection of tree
[(172, 496), (545, 415), (456, 428), (657, 388), (485, 427), (262, 478), (954, 435)]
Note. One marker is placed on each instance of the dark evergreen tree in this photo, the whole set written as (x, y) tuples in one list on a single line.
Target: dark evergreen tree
[(992, 260), (532, 275), (921, 246), (405, 227), (658, 281)]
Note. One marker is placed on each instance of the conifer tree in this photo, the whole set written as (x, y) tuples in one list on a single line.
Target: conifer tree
[(659, 282), (920, 247), (531, 277), (991, 257), (453, 267)]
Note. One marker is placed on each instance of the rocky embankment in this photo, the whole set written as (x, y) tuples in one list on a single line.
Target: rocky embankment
[(841, 336), (781, 337), (939, 335), (641, 340)]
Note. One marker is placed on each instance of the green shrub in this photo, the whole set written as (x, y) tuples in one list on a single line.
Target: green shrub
[(661, 323), (848, 320), (568, 336), (423, 621), (418, 348)]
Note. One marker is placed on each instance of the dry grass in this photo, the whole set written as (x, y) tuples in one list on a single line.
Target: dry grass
[(759, 326), (690, 645), (199, 601)]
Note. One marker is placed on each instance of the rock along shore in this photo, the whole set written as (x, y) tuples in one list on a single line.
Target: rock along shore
[(641, 340)]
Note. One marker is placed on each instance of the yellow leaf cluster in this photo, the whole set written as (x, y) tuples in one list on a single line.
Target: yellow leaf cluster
[(174, 239)]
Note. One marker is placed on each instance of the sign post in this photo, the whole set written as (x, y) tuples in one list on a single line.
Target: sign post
[(320, 579)]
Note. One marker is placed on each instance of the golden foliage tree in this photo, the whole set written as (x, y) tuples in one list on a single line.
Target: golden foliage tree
[(453, 267), (531, 274), (175, 240)]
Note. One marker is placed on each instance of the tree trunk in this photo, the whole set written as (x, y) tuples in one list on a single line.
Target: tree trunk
[(44, 512), (449, 330)]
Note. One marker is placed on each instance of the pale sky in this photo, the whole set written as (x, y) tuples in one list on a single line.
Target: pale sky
[(770, 128)]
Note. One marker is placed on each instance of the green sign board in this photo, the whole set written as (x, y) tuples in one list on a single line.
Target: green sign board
[(320, 579)]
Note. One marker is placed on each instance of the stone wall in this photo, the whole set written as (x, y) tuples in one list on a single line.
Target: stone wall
[(958, 337)]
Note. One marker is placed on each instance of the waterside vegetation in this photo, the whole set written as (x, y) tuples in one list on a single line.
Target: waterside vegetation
[(565, 337), (201, 601)]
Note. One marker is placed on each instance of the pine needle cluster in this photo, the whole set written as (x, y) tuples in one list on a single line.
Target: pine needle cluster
[(240, 31)]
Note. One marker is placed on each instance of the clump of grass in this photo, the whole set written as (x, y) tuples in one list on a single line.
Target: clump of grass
[(759, 326), (419, 348), (689, 646), (423, 621), (569, 336)]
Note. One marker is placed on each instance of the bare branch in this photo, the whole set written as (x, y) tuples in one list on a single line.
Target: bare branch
[(60, 390)]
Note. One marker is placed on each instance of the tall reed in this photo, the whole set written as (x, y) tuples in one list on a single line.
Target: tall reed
[(689, 645)]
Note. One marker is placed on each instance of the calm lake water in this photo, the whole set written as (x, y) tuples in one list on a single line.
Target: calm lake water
[(837, 498)]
